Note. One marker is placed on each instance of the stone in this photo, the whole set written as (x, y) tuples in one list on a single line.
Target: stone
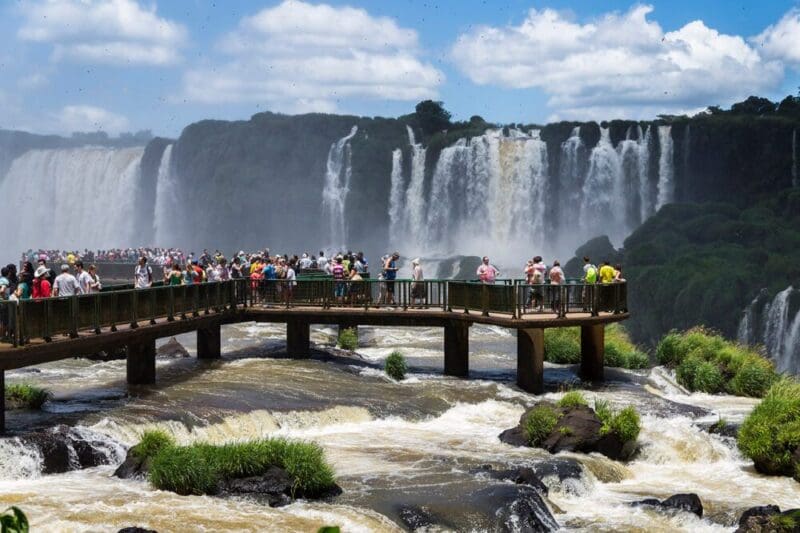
[(519, 508), (415, 517), (514, 436), (518, 476), (172, 349), (135, 529), (578, 430), (274, 485), (63, 449), (760, 510), (560, 467), (683, 502), (132, 467)]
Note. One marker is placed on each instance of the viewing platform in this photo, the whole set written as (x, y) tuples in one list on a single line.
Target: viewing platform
[(52, 329)]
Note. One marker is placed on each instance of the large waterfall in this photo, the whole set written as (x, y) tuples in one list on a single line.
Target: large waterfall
[(338, 172), (775, 324), (666, 182), (168, 201), (71, 198), (414, 216)]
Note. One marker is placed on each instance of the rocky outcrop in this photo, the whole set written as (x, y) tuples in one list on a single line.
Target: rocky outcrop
[(172, 349), (63, 448), (769, 519), (682, 502), (578, 429)]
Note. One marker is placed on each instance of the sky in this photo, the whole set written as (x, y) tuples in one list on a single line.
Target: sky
[(129, 65)]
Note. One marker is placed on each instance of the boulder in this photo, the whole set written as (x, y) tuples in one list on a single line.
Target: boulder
[(275, 485), (769, 519), (514, 436), (518, 476), (172, 349), (63, 449), (416, 517), (518, 508), (560, 467), (760, 510), (132, 467), (683, 502), (135, 529)]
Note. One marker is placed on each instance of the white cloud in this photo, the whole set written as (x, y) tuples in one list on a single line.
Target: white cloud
[(103, 31), (620, 63), (85, 118), (32, 81), (781, 40), (298, 56)]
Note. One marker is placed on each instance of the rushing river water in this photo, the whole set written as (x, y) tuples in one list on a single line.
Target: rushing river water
[(419, 442)]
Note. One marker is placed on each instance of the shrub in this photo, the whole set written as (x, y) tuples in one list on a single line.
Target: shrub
[(771, 432), (667, 351), (539, 424), (24, 396), (562, 345), (626, 424), (708, 378), (603, 411), (198, 468), (753, 378), (13, 520), (152, 442), (572, 399), (348, 339), (396, 366), (686, 371)]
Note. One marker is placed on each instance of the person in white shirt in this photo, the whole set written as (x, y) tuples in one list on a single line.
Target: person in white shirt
[(65, 283), (84, 279), (143, 274)]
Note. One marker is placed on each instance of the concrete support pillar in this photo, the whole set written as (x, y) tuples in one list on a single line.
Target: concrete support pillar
[(530, 360), (208, 342), (3, 400), (141, 363), (456, 349), (298, 342), (592, 352)]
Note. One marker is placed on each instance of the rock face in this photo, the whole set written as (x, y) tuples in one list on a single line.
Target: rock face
[(769, 519), (577, 430), (519, 508), (172, 349), (64, 448), (683, 502)]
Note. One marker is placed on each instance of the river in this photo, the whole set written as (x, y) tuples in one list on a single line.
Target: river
[(421, 442)]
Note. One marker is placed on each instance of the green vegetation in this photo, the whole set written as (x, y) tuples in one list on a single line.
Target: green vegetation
[(13, 520), (539, 424), (24, 396), (770, 435), (199, 468), (329, 529), (573, 399), (396, 366), (348, 339), (706, 362), (626, 424), (563, 346)]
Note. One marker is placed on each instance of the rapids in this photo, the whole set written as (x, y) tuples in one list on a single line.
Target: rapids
[(422, 441)]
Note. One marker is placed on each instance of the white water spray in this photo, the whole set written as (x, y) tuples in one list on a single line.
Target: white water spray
[(337, 186), (396, 196), (666, 169), (415, 207), (168, 200)]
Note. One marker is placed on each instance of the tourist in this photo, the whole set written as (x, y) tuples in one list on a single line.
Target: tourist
[(4, 284), (589, 278), (322, 262), (66, 284), (4, 296), (418, 285), (201, 274), (390, 275), (94, 284), (356, 288), (606, 273), (25, 284), (189, 275), (537, 274), (41, 286), (175, 276), (83, 277), (487, 273), (13, 280), (618, 274), (143, 274), (222, 270), (556, 280), (337, 270), (305, 262), (291, 282), (236, 268)]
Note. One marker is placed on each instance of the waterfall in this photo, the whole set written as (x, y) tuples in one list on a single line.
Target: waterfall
[(337, 186), (70, 198), (645, 196), (570, 176), (452, 162), (396, 196), (795, 178), (634, 157), (168, 202), (778, 329), (602, 203), (415, 195), (666, 185)]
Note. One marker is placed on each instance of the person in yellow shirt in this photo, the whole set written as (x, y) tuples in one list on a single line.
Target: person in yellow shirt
[(607, 273)]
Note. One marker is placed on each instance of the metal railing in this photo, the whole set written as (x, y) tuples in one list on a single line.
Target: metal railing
[(47, 318)]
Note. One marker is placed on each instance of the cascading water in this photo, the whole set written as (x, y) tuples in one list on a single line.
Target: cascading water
[(452, 163), (415, 206), (602, 202), (79, 198), (635, 158), (168, 201), (571, 174), (774, 324), (337, 185), (666, 169), (396, 196)]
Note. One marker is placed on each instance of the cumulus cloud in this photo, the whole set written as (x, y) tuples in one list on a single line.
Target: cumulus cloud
[(621, 63), (84, 118), (781, 40), (298, 56), (103, 31)]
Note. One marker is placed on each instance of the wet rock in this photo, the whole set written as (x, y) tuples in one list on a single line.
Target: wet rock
[(562, 468), (683, 502), (275, 485), (518, 508), (133, 467), (724, 429), (577, 430), (63, 449), (760, 510), (416, 517), (136, 530), (172, 349), (769, 519), (519, 476)]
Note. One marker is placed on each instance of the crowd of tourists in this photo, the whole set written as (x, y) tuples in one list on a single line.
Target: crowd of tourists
[(154, 255)]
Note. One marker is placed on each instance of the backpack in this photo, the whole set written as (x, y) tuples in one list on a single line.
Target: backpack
[(591, 275)]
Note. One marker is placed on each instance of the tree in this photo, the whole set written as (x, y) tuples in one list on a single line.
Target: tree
[(754, 105), (432, 116)]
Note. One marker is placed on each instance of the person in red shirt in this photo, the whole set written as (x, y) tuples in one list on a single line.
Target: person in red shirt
[(41, 286), (199, 272)]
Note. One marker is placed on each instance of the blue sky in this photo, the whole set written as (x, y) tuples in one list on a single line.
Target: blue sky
[(126, 65)]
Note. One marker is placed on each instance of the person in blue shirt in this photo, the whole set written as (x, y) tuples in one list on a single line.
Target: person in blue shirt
[(390, 274)]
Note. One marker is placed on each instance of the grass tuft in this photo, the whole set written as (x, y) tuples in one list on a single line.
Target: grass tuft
[(348, 339), (573, 399), (626, 424), (25, 396), (152, 442), (563, 346), (396, 366), (539, 424)]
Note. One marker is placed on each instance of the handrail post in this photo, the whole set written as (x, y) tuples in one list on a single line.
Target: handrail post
[(14, 323), (113, 314), (196, 300), (73, 327), (96, 312), (562, 301), (171, 304), (134, 305), (595, 299), (485, 299), (48, 319), (616, 298), (152, 294)]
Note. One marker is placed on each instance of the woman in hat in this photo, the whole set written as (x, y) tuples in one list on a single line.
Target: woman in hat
[(417, 287)]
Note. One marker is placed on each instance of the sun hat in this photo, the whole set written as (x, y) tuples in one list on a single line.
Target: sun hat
[(41, 271)]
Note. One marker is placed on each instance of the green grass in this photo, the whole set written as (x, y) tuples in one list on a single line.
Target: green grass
[(396, 366), (771, 432), (24, 396), (348, 339), (539, 424), (573, 399), (151, 443), (198, 468), (563, 346), (706, 362), (626, 424)]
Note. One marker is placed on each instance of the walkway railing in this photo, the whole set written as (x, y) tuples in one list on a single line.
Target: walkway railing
[(92, 313)]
